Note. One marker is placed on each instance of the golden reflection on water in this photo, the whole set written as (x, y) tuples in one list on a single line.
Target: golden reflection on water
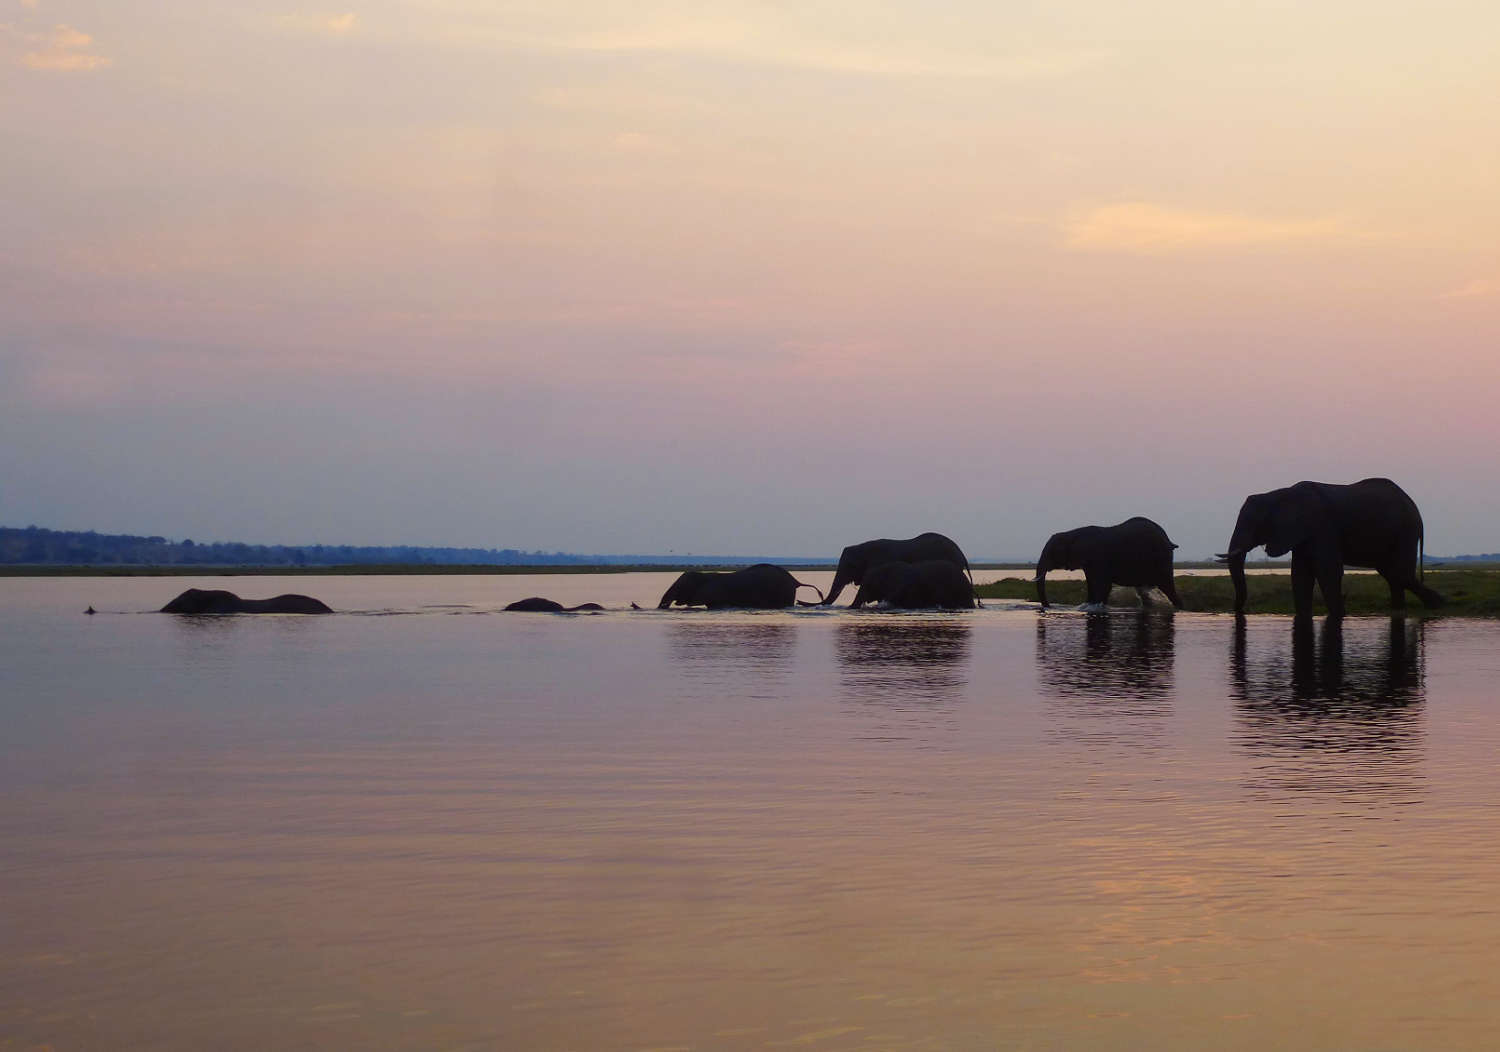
[(762, 832)]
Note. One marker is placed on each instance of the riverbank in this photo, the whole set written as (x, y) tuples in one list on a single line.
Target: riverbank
[(1469, 593)]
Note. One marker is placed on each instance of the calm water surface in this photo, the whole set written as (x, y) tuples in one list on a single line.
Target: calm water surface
[(425, 824)]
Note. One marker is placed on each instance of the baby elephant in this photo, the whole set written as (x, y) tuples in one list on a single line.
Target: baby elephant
[(759, 587), (935, 582), (1136, 552), (537, 605), (217, 601)]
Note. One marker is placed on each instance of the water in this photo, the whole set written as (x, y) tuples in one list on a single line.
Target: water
[(430, 825)]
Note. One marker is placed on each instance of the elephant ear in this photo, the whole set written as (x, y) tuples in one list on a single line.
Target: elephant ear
[(1059, 551), (683, 589), (1295, 518)]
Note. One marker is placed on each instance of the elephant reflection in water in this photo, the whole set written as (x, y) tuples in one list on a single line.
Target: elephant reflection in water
[(1114, 668), (1118, 654), (1344, 713), (732, 652), (908, 673)]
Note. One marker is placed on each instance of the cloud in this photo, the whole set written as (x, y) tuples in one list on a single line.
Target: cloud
[(1149, 229), (1478, 289), (322, 24), (63, 50), (762, 35), (745, 43)]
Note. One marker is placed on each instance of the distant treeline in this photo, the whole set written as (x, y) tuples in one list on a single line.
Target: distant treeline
[(34, 546)]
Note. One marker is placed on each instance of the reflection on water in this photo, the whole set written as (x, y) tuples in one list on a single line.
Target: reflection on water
[(714, 652), (1112, 670), (907, 673), (1336, 708), (1114, 655), (935, 831)]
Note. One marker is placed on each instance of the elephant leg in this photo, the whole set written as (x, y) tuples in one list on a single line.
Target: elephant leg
[(1302, 585), (1331, 581), (1169, 589), (1398, 590), (1401, 581), (1098, 588)]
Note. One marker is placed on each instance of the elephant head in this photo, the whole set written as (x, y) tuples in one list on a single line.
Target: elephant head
[(685, 589), (885, 581), (1057, 554), (854, 562), (1279, 520)]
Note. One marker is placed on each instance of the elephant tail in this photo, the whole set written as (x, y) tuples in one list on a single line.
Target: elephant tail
[(815, 588), (1421, 554)]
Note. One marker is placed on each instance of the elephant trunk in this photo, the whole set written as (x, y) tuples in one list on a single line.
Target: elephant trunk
[(1235, 560), (841, 579), (1043, 565)]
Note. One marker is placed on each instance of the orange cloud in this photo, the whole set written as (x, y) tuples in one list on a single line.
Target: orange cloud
[(330, 25), (1148, 229), (1478, 289), (64, 50)]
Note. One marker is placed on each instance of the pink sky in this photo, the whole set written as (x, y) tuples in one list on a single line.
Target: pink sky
[(742, 277)]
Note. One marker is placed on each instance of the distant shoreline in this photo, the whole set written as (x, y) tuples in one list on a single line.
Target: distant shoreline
[(480, 569)]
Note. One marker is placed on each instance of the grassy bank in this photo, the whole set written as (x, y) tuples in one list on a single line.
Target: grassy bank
[(1470, 593)]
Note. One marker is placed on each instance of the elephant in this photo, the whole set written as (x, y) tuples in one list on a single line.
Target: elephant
[(857, 559), (1371, 523), (537, 605), (933, 582), (760, 587), (217, 601), (1136, 552)]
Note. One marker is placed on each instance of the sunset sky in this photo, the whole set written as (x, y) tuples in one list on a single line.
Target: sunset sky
[(734, 277)]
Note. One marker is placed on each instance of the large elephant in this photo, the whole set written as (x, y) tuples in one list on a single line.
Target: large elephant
[(915, 586), (760, 587), (218, 601), (1371, 523), (1136, 553), (858, 559), (537, 605)]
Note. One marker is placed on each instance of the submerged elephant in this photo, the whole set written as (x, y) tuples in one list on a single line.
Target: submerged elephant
[(761, 587), (537, 605), (1136, 553), (217, 601), (916, 586), (1371, 523), (859, 559)]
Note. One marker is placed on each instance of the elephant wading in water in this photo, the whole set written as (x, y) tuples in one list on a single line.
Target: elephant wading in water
[(759, 587), (914, 586), (1371, 523), (537, 605), (1136, 553), (217, 601), (858, 559)]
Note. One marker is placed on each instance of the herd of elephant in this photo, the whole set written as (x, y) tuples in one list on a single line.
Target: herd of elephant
[(1370, 524)]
